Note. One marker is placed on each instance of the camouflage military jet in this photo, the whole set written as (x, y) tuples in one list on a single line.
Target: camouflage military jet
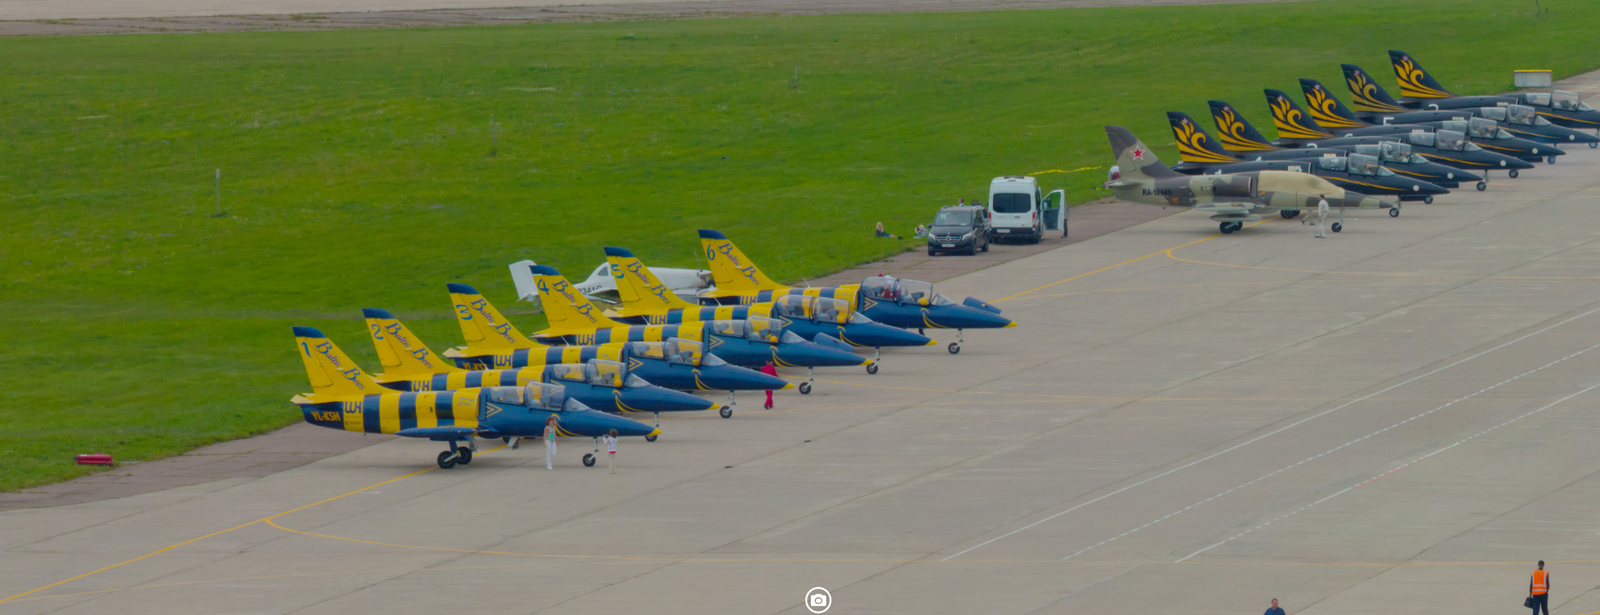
[(1419, 90), (1232, 199), (1200, 155)]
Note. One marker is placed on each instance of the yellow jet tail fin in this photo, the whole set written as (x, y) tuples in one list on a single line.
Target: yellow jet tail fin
[(485, 330), (333, 375), (569, 312), (403, 355), (732, 270), (642, 293)]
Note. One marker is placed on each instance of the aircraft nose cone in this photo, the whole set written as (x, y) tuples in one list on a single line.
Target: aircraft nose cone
[(807, 354), (1514, 163), (874, 335), (733, 378), (593, 424), (657, 399), (963, 317), (1422, 187)]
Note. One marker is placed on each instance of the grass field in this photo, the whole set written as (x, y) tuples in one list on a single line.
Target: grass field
[(360, 168)]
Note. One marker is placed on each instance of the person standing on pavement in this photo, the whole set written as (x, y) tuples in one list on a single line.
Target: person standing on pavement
[(1539, 590), (550, 427), (611, 450), (1274, 610), (1322, 216), (769, 370)]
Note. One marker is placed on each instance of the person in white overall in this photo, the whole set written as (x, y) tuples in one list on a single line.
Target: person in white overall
[(611, 450), (1322, 216), (550, 426)]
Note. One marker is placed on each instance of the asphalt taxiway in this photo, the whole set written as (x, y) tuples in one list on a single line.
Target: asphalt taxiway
[(1400, 417)]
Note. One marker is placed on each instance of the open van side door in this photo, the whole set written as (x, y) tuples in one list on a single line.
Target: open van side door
[(1055, 211)]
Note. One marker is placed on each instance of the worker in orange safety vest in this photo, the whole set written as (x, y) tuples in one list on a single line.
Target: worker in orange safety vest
[(1539, 589)]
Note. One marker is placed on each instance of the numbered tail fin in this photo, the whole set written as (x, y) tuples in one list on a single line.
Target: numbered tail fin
[(402, 354), (1290, 120), (1415, 82), (731, 269), (642, 294), (1366, 95), (1194, 145), (485, 330), (333, 375), (1327, 110), (1134, 159), (1237, 135), (568, 310)]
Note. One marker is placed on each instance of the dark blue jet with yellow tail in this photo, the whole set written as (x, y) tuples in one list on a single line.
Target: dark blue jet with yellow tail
[(573, 320), (344, 397), (645, 300), (907, 304), (607, 386)]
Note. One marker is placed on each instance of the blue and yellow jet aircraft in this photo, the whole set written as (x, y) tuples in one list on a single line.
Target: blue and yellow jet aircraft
[(645, 300), (573, 320), (344, 397), (607, 386), (907, 304)]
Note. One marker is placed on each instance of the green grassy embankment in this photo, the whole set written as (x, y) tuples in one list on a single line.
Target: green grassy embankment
[(360, 168)]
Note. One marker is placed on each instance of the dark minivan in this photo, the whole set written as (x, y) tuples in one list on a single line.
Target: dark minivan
[(959, 229)]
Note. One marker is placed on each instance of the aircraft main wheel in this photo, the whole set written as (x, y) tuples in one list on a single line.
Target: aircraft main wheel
[(588, 460), (650, 438), (1289, 214), (1394, 212), (1226, 228), (872, 368), (954, 348), (1483, 186), (1428, 199), (447, 460), (1593, 145), (1512, 173), (726, 412), (463, 455), (1339, 227), (805, 388), (1550, 160)]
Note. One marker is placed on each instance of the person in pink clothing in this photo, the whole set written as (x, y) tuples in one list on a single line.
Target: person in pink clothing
[(769, 370)]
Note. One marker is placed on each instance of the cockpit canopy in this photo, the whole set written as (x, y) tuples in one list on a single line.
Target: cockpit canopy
[(1333, 163), (1483, 128), (755, 329), (1367, 165), (1569, 102), (1450, 140), (597, 372), (675, 350), (795, 307), (912, 292), (537, 395)]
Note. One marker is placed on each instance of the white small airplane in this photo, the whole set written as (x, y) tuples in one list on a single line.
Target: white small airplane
[(600, 286)]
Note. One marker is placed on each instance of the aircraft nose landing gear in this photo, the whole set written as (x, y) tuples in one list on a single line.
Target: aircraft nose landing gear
[(955, 347), (588, 460), (648, 438)]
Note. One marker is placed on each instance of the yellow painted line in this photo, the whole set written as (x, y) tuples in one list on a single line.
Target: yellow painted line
[(219, 533), (1061, 171), (1167, 251)]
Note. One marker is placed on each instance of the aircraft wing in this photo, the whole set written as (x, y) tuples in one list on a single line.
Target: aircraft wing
[(1239, 208), (437, 433)]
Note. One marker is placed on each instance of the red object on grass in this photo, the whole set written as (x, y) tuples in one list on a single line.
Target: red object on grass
[(96, 460)]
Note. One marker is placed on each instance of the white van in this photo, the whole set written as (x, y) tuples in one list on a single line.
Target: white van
[(1015, 209)]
